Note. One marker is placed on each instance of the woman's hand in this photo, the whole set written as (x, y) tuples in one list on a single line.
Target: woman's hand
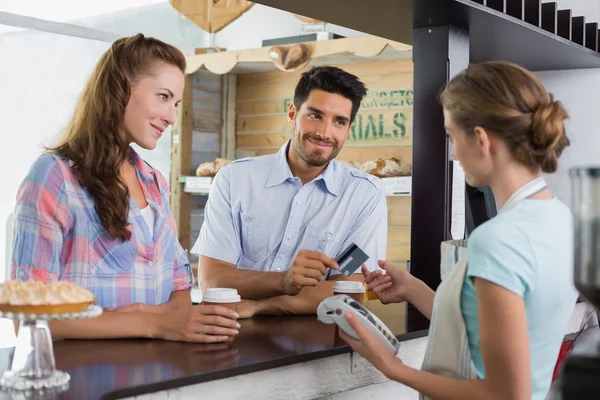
[(391, 287), (370, 347), (201, 324)]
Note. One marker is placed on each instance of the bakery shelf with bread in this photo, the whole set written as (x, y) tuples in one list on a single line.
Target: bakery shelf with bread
[(394, 173), (210, 169)]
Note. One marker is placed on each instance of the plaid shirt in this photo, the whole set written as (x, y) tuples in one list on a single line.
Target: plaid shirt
[(58, 236)]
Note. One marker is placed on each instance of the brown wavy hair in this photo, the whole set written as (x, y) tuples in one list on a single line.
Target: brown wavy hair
[(95, 139), (511, 102)]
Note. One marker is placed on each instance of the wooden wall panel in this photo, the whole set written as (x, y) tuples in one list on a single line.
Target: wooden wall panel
[(399, 211), (181, 163), (206, 138)]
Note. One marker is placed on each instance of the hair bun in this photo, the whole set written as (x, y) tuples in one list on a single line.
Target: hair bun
[(548, 139)]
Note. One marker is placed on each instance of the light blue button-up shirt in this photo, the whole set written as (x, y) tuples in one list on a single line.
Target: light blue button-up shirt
[(258, 215)]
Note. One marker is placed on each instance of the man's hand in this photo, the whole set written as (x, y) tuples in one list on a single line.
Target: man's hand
[(308, 268)]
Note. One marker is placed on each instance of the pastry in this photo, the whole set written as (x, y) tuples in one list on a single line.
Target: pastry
[(386, 168), (35, 297), (211, 168)]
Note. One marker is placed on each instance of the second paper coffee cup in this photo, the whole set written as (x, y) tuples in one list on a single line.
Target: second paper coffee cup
[(222, 297), (354, 289)]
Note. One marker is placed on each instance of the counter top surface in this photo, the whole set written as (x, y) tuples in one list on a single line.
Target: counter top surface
[(110, 369)]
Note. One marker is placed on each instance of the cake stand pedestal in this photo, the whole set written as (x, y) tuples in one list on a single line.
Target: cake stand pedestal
[(33, 367)]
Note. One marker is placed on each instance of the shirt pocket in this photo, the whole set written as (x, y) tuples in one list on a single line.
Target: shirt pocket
[(255, 236), (316, 239), (107, 255)]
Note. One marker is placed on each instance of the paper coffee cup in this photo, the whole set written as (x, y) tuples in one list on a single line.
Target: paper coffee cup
[(354, 289), (223, 297)]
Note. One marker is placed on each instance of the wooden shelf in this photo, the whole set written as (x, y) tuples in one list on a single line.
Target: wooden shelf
[(493, 34), (197, 185)]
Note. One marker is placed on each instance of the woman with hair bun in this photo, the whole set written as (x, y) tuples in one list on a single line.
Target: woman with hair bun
[(499, 316), (92, 212)]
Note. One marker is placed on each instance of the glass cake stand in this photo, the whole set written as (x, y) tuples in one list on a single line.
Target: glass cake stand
[(33, 367)]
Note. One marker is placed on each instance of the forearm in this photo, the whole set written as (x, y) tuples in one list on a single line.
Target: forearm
[(305, 302), (109, 325), (421, 296), (438, 387), (249, 284), (178, 300)]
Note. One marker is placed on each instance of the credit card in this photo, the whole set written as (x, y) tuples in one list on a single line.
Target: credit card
[(351, 259)]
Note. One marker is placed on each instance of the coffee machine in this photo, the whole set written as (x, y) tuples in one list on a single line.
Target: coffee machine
[(580, 376)]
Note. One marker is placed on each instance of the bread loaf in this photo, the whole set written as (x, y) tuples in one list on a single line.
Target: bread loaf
[(211, 168), (387, 168)]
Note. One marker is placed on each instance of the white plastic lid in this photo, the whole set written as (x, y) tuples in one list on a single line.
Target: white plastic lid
[(348, 287), (221, 295)]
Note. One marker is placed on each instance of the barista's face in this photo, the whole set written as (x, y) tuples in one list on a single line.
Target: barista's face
[(472, 151)]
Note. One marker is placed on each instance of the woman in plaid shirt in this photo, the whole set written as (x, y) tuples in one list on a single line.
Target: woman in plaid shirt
[(92, 212)]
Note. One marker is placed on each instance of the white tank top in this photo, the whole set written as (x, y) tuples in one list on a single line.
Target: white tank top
[(148, 215)]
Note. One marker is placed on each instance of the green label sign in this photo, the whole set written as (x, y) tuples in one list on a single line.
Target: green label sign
[(386, 99), (373, 125)]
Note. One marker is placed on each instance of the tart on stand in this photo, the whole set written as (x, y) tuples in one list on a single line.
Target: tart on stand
[(33, 304)]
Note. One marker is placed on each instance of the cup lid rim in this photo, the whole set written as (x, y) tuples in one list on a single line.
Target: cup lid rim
[(221, 295), (349, 287)]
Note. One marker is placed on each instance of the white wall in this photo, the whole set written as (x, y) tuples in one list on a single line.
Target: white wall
[(588, 8), (578, 91), (42, 75)]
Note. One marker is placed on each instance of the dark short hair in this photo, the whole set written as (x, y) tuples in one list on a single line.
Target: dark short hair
[(331, 80)]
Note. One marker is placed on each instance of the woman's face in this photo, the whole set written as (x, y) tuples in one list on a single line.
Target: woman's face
[(151, 107), (472, 151)]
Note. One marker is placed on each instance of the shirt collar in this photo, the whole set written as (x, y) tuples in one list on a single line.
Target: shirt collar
[(330, 178), (280, 171), (144, 170)]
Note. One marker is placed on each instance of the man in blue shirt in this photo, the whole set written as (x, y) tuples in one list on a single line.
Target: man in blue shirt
[(273, 225)]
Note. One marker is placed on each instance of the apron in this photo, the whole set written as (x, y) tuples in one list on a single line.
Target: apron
[(447, 352)]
